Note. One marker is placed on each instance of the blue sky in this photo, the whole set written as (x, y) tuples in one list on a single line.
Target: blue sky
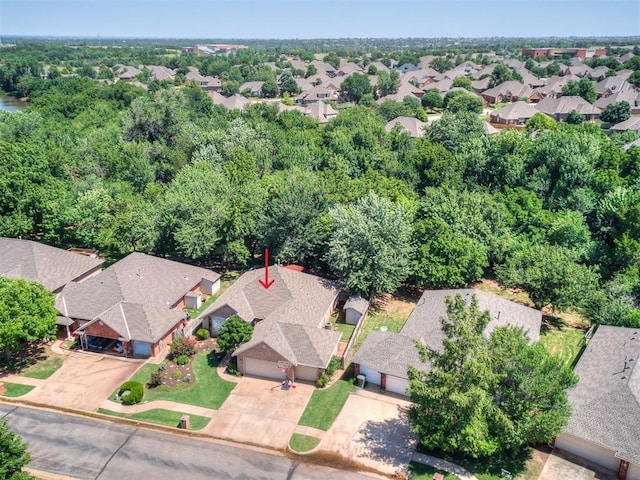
[(319, 19)]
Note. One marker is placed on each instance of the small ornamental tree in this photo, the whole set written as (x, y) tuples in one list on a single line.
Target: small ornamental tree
[(183, 346), (27, 314), (234, 332), (13, 454), (616, 112)]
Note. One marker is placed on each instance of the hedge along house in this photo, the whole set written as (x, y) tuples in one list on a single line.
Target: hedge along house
[(52, 267), (289, 319), (384, 356), (135, 306)]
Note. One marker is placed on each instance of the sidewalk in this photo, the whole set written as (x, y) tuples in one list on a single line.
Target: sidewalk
[(163, 404), (444, 465)]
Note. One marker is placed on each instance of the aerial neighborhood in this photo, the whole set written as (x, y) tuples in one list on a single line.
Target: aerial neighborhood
[(419, 261)]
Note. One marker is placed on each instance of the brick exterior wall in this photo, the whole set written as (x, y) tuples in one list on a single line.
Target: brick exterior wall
[(103, 330)]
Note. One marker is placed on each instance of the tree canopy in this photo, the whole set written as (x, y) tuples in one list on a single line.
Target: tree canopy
[(13, 454), (486, 396), (233, 333)]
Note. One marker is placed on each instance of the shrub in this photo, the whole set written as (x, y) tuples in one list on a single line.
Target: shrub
[(183, 346), (333, 367), (322, 380), (162, 367), (202, 334), (187, 379), (155, 379), (182, 360), (131, 393), (176, 375)]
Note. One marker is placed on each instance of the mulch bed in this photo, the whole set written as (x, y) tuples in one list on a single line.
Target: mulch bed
[(173, 375)]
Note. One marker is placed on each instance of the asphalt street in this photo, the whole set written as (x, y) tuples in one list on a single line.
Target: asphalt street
[(90, 449)]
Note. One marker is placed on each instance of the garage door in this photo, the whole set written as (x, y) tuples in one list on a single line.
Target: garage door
[(262, 368), (397, 385), (141, 349), (634, 472), (588, 451), (373, 376), (309, 374)]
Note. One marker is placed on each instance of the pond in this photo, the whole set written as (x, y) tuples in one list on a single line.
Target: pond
[(11, 104)]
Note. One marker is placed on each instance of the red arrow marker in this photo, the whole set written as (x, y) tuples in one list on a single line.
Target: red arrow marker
[(266, 283)]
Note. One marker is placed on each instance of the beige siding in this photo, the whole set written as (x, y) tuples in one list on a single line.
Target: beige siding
[(634, 472), (587, 450), (310, 374), (397, 385), (373, 376)]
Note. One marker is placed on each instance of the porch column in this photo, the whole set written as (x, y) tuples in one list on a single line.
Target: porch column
[(383, 382), (356, 369), (623, 469)]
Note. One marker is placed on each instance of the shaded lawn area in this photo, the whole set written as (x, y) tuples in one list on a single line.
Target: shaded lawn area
[(562, 340), (44, 368), (28, 357), (418, 471), (160, 416), (325, 405), (390, 311), (16, 389), (345, 329), (207, 390), (303, 443)]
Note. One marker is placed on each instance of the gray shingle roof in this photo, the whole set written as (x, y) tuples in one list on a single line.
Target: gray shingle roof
[(424, 325), (565, 105), (414, 126), (293, 310), (606, 401), (514, 111), (143, 285), (51, 266)]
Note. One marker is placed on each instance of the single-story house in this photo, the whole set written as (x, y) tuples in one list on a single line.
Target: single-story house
[(412, 125), (384, 357), (630, 96), (515, 114), (560, 108), (254, 88), (291, 317), (52, 267), (604, 427), (632, 124), (321, 112), (354, 309), (236, 102), (136, 305), (509, 91)]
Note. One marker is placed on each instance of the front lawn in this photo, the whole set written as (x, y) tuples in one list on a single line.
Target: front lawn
[(303, 443), (325, 405), (16, 389), (419, 471), (207, 389), (162, 417), (44, 368)]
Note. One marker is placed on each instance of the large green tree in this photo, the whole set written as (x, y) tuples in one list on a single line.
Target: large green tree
[(355, 87), (371, 245), (27, 314), (486, 396)]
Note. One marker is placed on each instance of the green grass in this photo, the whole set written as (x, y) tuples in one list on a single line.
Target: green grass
[(561, 340), (161, 417), (207, 390), (325, 405), (345, 329), (303, 443), (43, 369), (418, 471), (16, 389)]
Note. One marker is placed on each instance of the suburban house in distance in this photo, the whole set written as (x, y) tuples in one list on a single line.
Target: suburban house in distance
[(51, 266), (135, 306), (290, 320), (604, 427), (384, 356)]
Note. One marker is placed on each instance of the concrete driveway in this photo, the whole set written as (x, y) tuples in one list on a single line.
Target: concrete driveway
[(372, 430), (562, 465), (259, 412), (84, 381)]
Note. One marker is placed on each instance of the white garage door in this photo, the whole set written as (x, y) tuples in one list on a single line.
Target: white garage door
[(310, 374), (263, 368), (373, 376), (634, 472), (397, 385), (588, 451)]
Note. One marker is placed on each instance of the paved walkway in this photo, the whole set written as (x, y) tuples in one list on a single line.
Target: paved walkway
[(36, 382), (440, 464), (163, 404)]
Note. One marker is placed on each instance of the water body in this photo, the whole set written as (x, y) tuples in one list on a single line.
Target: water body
[(11, 104)]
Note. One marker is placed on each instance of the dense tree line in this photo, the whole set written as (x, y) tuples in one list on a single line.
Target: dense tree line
[(552, 209)]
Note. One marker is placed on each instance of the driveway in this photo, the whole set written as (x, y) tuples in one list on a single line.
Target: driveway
[(372, 430), (259, 412), (562, 465), (84, 381)]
